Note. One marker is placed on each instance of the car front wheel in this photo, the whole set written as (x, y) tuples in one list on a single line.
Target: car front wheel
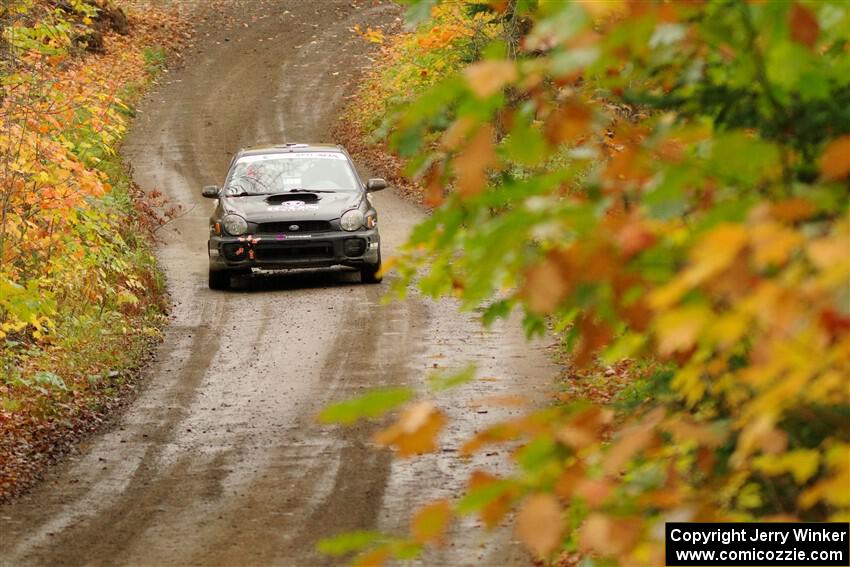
[(371, 273)]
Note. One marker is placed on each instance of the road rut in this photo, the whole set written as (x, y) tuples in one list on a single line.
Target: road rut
[(220, 461)]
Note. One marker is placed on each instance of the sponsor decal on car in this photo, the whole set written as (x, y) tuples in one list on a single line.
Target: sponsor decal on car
[(293, 206)]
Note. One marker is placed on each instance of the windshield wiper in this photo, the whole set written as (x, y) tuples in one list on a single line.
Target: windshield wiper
[(299, 190)]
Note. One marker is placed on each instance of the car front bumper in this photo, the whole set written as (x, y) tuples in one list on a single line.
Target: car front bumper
[(286, 251)]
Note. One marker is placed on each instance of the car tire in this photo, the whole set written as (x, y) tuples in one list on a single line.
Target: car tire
[(219, 279), (371, 272)]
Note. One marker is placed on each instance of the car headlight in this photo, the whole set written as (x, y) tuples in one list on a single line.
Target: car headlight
[(234, 225), (351, 220)]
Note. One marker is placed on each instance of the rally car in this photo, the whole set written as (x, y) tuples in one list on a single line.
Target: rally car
[(293, 206)]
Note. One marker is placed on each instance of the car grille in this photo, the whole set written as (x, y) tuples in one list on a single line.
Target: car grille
[(294, 251), (284, 227)]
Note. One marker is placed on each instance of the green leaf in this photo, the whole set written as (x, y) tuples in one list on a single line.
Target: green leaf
[(371, 405), (743, 159), (623, 347), (439, 382), (50, 379), (534, 456), (418, 11), (525, 145), (348, 542), (478, 498)]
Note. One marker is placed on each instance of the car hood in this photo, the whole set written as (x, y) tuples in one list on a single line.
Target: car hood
[(292, 206)]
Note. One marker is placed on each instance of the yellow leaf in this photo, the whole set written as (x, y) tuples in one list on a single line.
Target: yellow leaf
[(829, 251), (415, 431), (717, 249), (715, 252), (689, 382), (678, 330), (599, 9), (728, 329), (833, 487), (800, 463), (773, 244), (539, 524), (486, 78), (431, 522)]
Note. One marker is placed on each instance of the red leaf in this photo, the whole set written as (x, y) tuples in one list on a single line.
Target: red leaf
[(804, 26)]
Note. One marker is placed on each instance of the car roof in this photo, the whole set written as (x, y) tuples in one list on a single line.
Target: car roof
[(289, 148)]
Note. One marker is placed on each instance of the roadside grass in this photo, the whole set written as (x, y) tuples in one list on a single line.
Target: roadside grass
[(156, 59)]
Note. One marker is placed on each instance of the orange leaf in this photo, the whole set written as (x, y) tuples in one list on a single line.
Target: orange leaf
[(549, 282), (569, 481), (496, 509), (568, 122), (595, 334), (792, 210), (474, 161), (594, 491), (634, 237), (486, 78), (545, 287), (835, 161), (433, 195), (431, 522), (456, 133), (607, 536), (804, 26), (415, 431), (539, 524), (585, 428), (374, 558), (632, 442)]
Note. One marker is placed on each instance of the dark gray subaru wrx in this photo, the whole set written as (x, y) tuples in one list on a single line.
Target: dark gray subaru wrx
[(293, 206)]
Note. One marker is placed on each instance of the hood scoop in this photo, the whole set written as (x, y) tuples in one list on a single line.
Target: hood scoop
[(285, 197)]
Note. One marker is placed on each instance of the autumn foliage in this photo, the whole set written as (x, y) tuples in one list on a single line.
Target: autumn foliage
[(665, 184), (79, 291)]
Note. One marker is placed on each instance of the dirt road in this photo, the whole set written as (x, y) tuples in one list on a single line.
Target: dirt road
[(219, 461)]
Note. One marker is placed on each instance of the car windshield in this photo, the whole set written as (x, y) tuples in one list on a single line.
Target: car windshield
[(279, 173)]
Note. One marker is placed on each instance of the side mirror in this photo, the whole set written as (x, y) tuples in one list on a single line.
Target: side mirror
[(210, 192), (376, 184)]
